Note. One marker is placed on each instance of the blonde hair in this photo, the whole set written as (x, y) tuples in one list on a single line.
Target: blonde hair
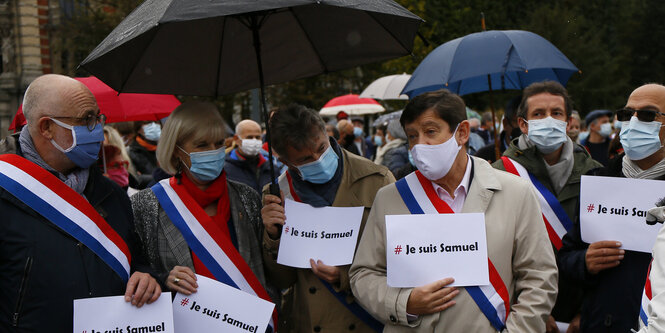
[(116, 140), (191, 121)]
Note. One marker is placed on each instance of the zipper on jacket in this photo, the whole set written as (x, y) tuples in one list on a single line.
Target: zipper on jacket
[(21, 291), (85, 271)]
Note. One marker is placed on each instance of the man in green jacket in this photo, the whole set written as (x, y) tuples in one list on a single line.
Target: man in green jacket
[(554, 164)]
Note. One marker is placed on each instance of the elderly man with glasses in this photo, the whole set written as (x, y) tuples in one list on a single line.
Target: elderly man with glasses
[(66, 231), (616, 277)]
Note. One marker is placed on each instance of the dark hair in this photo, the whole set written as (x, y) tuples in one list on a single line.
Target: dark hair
[(549, 87), (447, 105), (124, 128), (295, 126), (333, 129)]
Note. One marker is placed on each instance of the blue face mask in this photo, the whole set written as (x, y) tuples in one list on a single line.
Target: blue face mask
[(411, 159), (378, 141), (322, 170), (206, 165), (152, 131), (640, 139), (85, 144), (605, 130), (547, 134), (357, 132)]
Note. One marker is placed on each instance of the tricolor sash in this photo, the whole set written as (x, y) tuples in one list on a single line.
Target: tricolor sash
[(354, 307), (207, 241), (646, 299), (68, 210), (420, 197), (556, 220)]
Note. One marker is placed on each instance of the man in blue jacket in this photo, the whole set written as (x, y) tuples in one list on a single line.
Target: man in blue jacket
[(46, 253)]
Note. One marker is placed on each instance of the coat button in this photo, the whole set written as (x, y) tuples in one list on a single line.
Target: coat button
[(317, 329), (352, 327), (312, 290), (393, 319)]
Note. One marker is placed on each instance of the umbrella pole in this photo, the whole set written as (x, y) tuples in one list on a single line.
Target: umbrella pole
[(255, 26), (497, 150)]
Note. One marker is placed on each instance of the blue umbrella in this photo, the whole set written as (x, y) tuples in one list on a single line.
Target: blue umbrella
[(490, 60)]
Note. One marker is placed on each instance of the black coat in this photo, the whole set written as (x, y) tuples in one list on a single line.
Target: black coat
[(43, 269), (611, 297), (144, 161), (243, 172)]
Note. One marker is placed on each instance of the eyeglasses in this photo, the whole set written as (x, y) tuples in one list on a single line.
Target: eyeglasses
[(643, 115), (90, 120), (117, 165)]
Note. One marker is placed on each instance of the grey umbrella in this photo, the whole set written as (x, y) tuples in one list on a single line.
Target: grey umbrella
[(211, 48)]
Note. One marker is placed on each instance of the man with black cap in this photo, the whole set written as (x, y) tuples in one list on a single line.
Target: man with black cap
[(545, 156), (600, 129)]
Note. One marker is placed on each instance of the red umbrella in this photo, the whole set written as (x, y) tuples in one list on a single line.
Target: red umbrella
[(352, 105), (120, 107)]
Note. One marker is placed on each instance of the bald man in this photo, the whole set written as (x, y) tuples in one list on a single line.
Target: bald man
[(614, 277), (51, 251), (347, 137), (246, 163)]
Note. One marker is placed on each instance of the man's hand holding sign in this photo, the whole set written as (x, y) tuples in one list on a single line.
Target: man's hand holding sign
[(274, 217)]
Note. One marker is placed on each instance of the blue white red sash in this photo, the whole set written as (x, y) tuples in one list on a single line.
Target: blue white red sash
[(420, 197), (646, 298), (556, 220), (68, 210), (213, 247), (354, 307)]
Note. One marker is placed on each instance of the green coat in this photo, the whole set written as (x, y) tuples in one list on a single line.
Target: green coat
[(570, 295)]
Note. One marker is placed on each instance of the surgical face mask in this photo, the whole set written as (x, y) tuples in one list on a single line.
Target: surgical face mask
[(605, 130), (357, 132), (573, 134), (411, 159), (206, 165), (617, 124), (251, 147), (152, 131), (85, 144), (547, 134), (435, 161), (322, 170), (378, 141), (120, 176), (640, 139)]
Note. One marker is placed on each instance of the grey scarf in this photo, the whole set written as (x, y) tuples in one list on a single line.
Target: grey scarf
[(76, 179), (631, 170), (560, 171)]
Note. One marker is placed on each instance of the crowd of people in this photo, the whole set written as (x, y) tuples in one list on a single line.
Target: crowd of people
[(143, 185)]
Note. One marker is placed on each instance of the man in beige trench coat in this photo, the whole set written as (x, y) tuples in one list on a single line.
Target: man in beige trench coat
[(517, 243), (321, 173)]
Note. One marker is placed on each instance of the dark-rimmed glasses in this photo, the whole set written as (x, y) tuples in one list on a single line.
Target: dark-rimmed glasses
[(645, 115), (90, 121)]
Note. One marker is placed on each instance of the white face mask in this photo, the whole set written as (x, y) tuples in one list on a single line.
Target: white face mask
[(435, 161), (251, 147)]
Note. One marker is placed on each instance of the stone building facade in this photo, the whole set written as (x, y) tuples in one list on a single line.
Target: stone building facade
[(26, 30)]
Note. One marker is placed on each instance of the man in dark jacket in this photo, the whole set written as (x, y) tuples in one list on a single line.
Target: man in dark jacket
[(245, 164), (614, 278), (510, 131), (44, 267), (558, 164)]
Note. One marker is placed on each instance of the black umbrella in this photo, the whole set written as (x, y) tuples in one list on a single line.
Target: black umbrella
[(211, 48)]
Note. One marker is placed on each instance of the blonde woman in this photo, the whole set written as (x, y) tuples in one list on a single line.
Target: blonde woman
[(199, 200)]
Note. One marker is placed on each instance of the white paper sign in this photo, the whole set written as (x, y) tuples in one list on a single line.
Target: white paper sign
[(328, 234), (216, 307), (113, 314), (615, 209), (424, 248)]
